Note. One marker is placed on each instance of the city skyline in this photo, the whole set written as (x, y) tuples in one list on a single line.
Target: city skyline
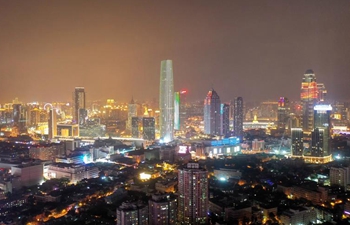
[(113, 49)]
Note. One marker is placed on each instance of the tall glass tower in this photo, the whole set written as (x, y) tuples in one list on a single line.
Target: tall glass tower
[(309, 97), (79, 105), (212, 116), (321, 134), (166, 101), (238, 118)]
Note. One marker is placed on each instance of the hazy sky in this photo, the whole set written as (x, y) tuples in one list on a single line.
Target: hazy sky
[(254, 49)]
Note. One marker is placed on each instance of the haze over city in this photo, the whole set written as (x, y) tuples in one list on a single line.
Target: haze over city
[(256, 49)]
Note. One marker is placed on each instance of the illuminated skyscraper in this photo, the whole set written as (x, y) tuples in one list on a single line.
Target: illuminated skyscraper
[(238, 118), (193, 195), (283, 113), (52, 124), (320, 139), (135, 127), (212, 116), (132, 112), (79, 105), (166, 101), (225, 119), (177, 111), (297, 147), (148, 131), (309, 97), (16, 115)]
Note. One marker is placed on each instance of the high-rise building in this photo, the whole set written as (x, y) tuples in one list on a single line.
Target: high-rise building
[(212, 116), (79, 105), (283, 113), (297, 146), (132, 112), (132, 213), (322, 92), (238, 118), (52, 124), (340, 176), (149, 131), (177, 110), (162, 209), (34, 117), (16, 115), (135, 127), (225, 119), (166, 101), (184, 106), (20, 117), (320, 140), (309, 97), (193, 195)]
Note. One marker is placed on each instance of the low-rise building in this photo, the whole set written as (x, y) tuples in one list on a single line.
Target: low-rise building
[(73, 172), (302, 215)]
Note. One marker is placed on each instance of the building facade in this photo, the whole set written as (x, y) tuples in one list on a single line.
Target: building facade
[(132, 213), (132, 112), (79, 104), (340, 176), (162, 209), (297, 146), (193, 195), (320, 140), (283, 113), (149, 130), (225, 119), (238, 118), (166, 101), (212, 116)]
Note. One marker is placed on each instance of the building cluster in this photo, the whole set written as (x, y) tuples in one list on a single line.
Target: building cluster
[(172, 162)]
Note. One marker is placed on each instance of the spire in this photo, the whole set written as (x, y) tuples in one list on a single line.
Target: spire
[(132, 100)]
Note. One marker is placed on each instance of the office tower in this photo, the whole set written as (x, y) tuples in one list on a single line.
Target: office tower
[(193, 195), (322, 92), (297, 146), (16, 115), (132, 213), (238, 118), (149, 131), (52, 123), (340, 111), (19, 117), (184, 106), (177, 110), (309, 97), (34, 117), (225, 119), (283, 113), (212, 116), (162, 209), (268, 110), (79, 105), (320, 139), (135, 127), (132, 112), (166, 101)]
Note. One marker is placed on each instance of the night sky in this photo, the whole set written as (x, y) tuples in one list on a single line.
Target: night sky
[(255, 49)]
